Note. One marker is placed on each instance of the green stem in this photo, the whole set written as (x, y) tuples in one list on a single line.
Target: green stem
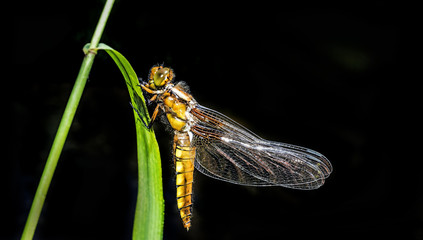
[(63, 129)]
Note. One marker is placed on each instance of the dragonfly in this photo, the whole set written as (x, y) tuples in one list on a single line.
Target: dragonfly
[(223, 149)]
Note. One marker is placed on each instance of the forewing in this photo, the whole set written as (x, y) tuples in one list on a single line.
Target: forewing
[(230, 152)]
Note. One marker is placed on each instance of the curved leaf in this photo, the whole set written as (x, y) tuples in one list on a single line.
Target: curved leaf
[(149, 212)]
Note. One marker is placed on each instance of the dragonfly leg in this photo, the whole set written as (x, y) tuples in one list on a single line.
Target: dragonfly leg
[(153, 99), (153, 117), (147, 89), (141, 82)]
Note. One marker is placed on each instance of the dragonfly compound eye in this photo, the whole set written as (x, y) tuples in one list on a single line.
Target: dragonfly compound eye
[(162, 76)]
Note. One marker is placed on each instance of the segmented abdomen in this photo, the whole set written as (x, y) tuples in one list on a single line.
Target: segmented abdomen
[(184, 156)]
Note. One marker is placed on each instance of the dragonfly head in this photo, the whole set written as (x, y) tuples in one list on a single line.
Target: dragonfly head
[(160, 76)]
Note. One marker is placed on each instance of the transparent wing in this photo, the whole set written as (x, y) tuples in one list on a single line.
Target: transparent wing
[(229, 152)]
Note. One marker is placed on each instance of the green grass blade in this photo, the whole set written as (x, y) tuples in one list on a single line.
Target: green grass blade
[(62, 131), (149, 212)]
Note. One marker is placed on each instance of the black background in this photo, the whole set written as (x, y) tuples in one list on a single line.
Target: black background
[(334, 78)]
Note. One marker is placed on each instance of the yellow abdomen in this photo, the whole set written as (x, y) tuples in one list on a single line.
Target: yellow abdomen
[(184, 156)]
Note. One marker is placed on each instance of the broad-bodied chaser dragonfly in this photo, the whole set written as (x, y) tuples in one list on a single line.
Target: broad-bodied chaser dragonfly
[(223, 149)]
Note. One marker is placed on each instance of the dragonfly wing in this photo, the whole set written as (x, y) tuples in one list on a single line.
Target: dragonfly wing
[(230, 152), (218, 161)]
